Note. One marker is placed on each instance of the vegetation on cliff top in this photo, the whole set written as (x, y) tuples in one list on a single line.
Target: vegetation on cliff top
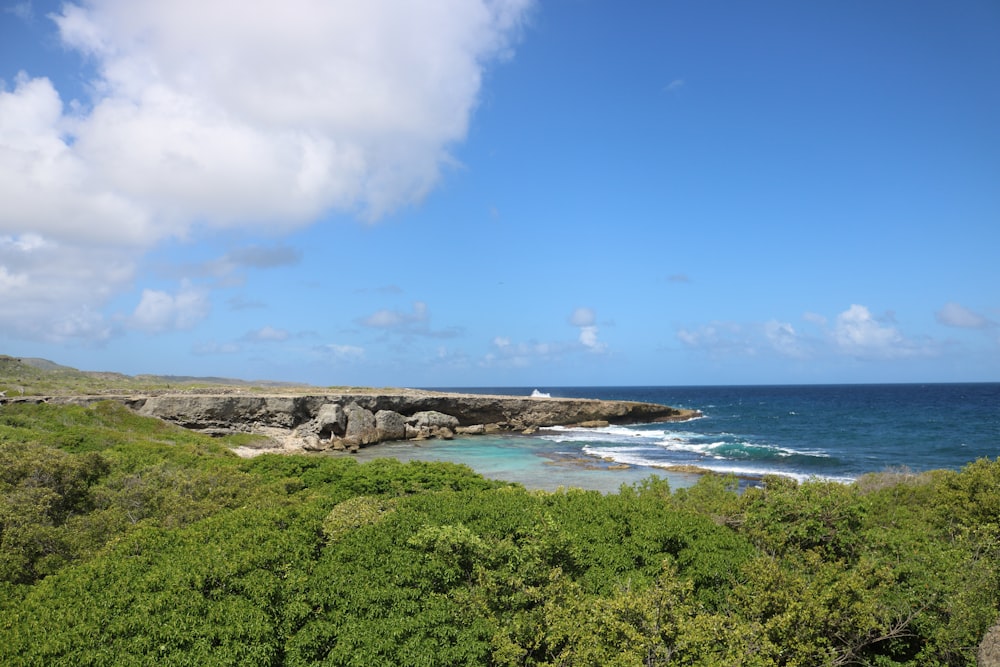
[(41, 377)]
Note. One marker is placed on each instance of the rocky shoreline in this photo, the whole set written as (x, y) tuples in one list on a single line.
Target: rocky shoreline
[(347, 421)]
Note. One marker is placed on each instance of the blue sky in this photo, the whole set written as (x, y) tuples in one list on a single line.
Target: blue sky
[(503, 192)]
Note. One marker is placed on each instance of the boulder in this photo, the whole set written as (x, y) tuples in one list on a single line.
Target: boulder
[(312, 443), (989, 649), (390, 425), (414, 433), (331, 420), (431, 419), (360, 426)]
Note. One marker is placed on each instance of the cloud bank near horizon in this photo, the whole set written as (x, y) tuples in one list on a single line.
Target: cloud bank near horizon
[(223, 116)]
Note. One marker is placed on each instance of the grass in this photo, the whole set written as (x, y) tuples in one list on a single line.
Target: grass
[(40, 377)]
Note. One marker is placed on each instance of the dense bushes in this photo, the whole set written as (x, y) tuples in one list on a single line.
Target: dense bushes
[(126, 541)]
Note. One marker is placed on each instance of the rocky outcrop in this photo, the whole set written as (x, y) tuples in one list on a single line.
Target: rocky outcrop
[(390, 425), (350, 420)]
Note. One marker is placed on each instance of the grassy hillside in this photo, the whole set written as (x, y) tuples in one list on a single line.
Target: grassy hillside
[(41, 377), (124, 540)]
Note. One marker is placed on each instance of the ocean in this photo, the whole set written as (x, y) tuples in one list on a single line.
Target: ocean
[(835, 432)]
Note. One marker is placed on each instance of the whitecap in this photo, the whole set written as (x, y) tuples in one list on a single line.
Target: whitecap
[(540, 394)]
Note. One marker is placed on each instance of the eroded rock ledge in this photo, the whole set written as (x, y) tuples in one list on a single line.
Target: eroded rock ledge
[(347, 421)]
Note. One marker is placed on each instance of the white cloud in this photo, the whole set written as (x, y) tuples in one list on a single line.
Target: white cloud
[(521, 355), (159, 311), (956, 315), (22, 10), (588, 338), (48, 290), (584, 319), (505, 352), (857, 332), (720, 339), (266, 334), (224, 114), (392, 319), (785, 340), (342, 352), (415, 323)]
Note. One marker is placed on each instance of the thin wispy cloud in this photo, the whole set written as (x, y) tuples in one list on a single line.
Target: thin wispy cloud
[(341, 353), (956, 315), (413, 323), (674, 86), (505, 352), (266, 334), (22, 10), (855, 333)]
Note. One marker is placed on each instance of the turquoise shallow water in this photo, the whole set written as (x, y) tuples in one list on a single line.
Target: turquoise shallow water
[(533, 462), (837, 432)]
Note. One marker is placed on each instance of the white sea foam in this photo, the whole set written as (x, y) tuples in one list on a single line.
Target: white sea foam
[(634, 456), (540, 394)]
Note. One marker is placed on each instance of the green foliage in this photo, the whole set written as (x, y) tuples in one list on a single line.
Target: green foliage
[(127, 541), (354, 513)]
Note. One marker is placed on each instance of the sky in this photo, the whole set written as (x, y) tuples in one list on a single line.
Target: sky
[(464, 193)]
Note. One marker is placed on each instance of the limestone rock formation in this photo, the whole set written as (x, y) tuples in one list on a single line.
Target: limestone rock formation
[(331, 420), (360, 426), (390, 425), (316, 422)]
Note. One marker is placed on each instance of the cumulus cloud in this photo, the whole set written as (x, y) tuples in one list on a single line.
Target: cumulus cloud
[(858, 333), (159, 311), (584, 319), (956, 315), (49, 290), (226, 115)]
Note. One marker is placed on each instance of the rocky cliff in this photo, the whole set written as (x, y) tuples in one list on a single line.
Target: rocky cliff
[(351, 420)]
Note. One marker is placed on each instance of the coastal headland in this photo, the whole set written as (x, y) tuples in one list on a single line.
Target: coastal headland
[(346, 421)]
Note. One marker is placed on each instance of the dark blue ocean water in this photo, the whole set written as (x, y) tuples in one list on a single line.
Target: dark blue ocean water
[(833, 432)]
